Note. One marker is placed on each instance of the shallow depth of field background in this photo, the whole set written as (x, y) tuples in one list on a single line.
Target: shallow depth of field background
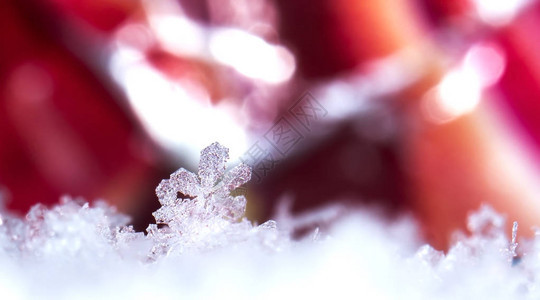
[(423, 107)]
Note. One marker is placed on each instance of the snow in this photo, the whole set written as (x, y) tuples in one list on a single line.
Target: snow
[(205, 248)]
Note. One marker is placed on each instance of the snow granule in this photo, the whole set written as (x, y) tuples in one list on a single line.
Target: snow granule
[(203, 247)]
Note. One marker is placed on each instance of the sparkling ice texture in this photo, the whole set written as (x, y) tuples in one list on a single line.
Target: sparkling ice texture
[(202, 247), (205, 207)]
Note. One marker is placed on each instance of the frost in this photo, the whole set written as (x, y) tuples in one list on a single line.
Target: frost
[(207, 209), (203, 247), (210, 192), (514, 244)]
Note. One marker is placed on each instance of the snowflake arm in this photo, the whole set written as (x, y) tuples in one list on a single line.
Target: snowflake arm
[(237, 177), (212, 165), (210, 192), (186, 183)]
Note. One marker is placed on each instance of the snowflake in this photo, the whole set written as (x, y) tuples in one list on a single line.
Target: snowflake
[(205, 204)]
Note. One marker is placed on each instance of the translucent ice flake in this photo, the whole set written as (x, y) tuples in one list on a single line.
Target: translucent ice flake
[(165, 192), (185, 182), (69, 229), (212, 164), (486, 221), (207, 185), (513, 244), (208, 208)]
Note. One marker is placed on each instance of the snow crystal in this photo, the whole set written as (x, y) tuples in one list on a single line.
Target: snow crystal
[(514, 244), (202, 246), (208, 208)]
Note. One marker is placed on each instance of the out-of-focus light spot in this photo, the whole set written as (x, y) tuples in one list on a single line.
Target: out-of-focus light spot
[(342, 100), (173, 30), (251, 55), (248, 54), (178, 35), (498, 12), (487, 61), (460, 91), (175, 116)]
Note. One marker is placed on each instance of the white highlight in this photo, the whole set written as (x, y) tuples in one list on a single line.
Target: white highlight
[(248, 54), (460, 90), (486, 61), (179, 35), (251, 55), (177, 114), (499, 12)]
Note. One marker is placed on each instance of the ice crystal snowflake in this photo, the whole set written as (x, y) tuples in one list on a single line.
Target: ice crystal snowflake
[(202, 247), (205, 205)]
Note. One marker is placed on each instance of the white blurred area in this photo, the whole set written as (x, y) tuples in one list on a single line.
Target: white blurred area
[(241, 51), (251, 55), (499, 12), (360, 256), (181, 119), (179, 113), (460, 91)]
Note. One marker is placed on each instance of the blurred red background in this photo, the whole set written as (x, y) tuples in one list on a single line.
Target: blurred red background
[(69, 124)]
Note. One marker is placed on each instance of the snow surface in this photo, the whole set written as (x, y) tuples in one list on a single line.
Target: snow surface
[(202, 247)]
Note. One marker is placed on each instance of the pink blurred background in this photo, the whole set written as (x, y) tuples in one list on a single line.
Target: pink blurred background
[(428, 107)]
